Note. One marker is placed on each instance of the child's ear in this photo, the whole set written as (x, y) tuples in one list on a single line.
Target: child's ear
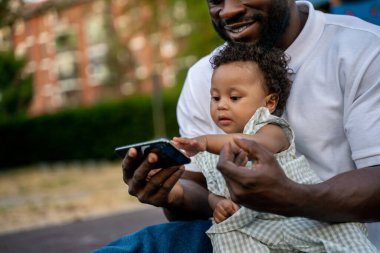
[(271, 102)]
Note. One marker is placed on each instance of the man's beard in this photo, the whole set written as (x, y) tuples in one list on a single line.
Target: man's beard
[(273, 26)]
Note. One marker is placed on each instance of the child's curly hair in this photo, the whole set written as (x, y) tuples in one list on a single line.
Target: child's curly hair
[(272, 62)]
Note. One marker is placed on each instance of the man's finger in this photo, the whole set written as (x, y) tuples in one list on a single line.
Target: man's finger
[(129, 164), (166, 179), (241, 158), (141, 173), (254, 150), (173, 179), (229, 150), (227, 166)]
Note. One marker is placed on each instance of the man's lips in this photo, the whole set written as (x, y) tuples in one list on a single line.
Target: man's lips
[(239, 27)]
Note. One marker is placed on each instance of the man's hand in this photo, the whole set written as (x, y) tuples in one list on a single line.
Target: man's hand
[(265, 187), (157, 187), (347, 197), (182, 194)]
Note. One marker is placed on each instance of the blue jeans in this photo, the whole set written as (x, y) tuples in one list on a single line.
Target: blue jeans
[(177, 236)]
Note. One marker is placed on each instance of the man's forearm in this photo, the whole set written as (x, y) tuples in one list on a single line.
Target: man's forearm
[(350, 196), (193, 204)]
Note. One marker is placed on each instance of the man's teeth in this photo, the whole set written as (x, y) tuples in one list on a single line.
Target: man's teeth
[(240, 29)]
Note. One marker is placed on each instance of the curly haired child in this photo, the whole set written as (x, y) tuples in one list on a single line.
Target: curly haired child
[(249, 89)]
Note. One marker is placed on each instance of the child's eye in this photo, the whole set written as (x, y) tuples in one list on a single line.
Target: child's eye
[(214, 98), (234, 98)]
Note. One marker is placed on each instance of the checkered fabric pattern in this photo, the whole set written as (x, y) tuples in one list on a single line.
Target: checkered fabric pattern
[(251, 231)]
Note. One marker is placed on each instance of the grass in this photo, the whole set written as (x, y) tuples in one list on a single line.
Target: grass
[(49, 195)]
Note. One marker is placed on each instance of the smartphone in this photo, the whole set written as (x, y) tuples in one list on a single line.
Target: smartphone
[(168, 154)]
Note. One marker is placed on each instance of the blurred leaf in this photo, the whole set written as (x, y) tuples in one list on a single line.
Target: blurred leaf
[(8, 14), (16, 89)]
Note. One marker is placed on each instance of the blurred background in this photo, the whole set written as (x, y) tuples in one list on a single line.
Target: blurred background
[(81, 77)]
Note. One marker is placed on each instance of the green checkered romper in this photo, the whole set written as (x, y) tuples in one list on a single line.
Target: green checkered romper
[(251, 231)]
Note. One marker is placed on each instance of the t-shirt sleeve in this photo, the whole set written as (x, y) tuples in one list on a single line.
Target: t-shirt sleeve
[(362, 113)]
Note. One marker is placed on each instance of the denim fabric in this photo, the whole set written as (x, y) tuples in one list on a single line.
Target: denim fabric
[(178, 236)]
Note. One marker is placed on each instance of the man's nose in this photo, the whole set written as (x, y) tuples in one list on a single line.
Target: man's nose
[(231, 8)]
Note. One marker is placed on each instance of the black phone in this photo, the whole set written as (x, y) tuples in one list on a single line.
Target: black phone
[(168, 154)]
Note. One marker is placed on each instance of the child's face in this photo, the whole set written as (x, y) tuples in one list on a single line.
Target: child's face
[(236, 93)]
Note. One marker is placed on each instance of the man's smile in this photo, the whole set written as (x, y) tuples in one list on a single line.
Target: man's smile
[(239, 27), (243, 27)]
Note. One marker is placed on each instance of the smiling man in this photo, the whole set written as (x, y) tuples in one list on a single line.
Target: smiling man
[(332, 108), (263, 26)]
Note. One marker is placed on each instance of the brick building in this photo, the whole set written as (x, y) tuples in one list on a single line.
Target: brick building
[(84, 51)]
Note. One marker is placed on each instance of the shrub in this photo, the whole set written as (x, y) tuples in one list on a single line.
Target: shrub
[(82, 133)]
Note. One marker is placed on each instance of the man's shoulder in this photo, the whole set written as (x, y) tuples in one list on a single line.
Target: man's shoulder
[(351, 25), (350, 35)]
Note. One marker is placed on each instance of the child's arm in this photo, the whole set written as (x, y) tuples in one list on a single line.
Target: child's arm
[(270, 136)]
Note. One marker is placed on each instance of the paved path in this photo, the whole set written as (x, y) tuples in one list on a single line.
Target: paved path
[(80, 236)]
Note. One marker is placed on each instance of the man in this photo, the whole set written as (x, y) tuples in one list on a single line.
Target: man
[(332, 108)]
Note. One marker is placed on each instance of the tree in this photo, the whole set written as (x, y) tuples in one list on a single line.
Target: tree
[(9, 11), (16, 89)]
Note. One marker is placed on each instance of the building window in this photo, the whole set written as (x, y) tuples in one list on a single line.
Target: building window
[(95, 30), (97, 69), (65, 41), (67, 61), (67, 70)]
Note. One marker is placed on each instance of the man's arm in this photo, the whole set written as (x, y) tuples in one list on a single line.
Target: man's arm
[(192, 202), (350, 196)]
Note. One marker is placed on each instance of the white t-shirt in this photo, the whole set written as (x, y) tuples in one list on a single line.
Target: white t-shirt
[(334, 104)]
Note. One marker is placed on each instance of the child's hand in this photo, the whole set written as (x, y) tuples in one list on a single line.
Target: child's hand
[(191, 146), (224, 209)]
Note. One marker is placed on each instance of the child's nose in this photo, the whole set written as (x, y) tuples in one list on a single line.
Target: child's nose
[(223, 104)]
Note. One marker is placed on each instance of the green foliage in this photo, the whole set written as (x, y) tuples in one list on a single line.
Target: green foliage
[(203, 38), (84, 133), (7, 16), (119, 57), (16, 89)]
